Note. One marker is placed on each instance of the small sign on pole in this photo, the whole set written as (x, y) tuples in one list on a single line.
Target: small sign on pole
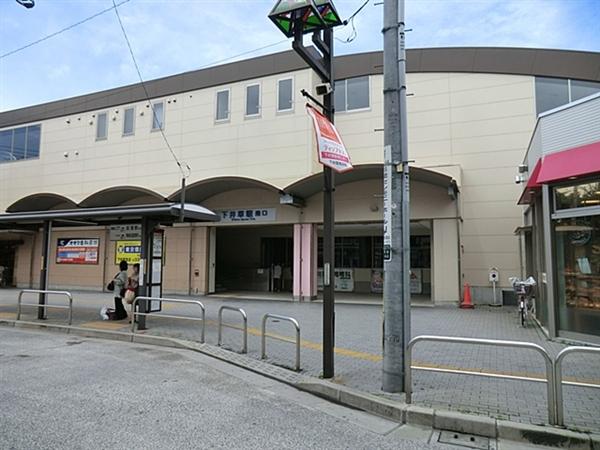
[(331, 150)]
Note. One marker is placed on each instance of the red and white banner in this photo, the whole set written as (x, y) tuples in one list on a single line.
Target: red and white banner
[(331, 149)]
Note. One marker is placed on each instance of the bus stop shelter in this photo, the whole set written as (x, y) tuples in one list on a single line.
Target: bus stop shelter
[(150, 216)]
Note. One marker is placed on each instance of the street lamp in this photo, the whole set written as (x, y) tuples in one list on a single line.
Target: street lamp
[(295, 18)]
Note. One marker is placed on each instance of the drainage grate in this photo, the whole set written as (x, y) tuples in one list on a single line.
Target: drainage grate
[(464, 440)]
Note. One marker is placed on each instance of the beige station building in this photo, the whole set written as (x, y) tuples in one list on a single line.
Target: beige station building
[(244, 131)]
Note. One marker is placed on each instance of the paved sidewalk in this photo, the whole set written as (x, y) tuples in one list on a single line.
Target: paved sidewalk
[(358, 350)]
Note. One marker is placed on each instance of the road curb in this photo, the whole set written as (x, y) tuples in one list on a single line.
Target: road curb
[(354, 398)]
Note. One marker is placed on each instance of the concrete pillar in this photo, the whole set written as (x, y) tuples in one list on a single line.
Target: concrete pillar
[(305, 262)]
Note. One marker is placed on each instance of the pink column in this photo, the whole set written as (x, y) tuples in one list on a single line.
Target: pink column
[(305, 262)]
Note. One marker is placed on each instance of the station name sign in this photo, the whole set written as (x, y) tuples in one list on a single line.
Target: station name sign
[(248, 215)]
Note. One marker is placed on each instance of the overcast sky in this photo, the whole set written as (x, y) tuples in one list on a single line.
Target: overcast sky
[(172, 36)]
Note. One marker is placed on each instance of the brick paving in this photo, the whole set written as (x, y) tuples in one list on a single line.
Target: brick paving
[(358, 362)]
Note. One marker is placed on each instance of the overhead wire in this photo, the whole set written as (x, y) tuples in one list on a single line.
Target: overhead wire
[(350, 20), (147, 95), (70, 27)]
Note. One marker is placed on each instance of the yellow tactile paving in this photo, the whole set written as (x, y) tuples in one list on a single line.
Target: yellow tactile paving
[(8, 315), (106, 325)]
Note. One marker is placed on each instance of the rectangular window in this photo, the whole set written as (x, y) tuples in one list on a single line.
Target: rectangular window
[(33, 141), (19, 140), (6, 137), (158, 116), (253, 100), (352, 94), (581, 89), (222, 112), (550, 93), (102, 126), (285, 95), (128, 121), (20, 143), (579, 196)]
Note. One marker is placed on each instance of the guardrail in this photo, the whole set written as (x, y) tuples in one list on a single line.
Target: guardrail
[(550, 383), (263, 339), (245, 329), (135, 313), (46, 305), (558, 377)]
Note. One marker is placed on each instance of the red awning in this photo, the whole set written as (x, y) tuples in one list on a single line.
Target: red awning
[(532, 185), (575, 162)]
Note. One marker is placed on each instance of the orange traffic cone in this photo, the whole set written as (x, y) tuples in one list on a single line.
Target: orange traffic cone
[(466, 303)]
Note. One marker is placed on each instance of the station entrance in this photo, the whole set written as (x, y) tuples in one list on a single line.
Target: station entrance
[(254, 258), (8, 249)]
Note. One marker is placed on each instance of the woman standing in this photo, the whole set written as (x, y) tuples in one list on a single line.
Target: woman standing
[(120, 287)]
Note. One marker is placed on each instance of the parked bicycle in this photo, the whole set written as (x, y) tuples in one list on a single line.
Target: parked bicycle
[(524, 291)]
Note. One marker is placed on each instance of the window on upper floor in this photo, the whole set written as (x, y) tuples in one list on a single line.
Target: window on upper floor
[(352, 94), (128, 121), (102, 126), (551, 93), (158, 116), (285, 95), (222, 109), (20, 143), (253, 100)]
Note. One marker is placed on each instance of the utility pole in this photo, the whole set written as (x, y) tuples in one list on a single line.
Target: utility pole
[(396, 240)]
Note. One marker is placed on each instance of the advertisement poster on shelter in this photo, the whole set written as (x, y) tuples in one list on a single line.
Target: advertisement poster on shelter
[(77, 251), (129, 251), (331, 149)]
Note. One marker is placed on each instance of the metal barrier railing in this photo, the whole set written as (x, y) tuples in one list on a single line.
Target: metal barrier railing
[(245, 329), (263, 338), (46, 305), (558, 377), (498, 343), (135, 313)]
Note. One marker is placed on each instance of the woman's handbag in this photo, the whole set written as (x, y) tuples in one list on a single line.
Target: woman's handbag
[(110, 286)]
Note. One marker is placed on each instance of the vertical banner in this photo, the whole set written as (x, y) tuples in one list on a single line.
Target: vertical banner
[(388, 173), (331, 150)]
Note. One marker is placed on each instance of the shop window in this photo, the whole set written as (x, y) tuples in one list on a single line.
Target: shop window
[(581, 89), (550, 93), (578, 273), (222, 110), (285, 95), (102, 126), (128, 121), (352, 94), (253, 100), (578, 196), (20, 143), (158, 116)]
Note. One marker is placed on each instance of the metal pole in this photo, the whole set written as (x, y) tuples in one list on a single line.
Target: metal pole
[(44, 268), (328, 230), (396, 290)]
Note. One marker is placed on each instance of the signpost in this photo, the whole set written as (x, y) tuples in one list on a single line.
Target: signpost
[(77, 251)]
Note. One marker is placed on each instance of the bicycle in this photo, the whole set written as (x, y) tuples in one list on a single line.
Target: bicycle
[(524, 290)]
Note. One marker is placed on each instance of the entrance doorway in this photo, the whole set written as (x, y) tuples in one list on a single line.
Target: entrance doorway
[(7, 262), (254, 258)]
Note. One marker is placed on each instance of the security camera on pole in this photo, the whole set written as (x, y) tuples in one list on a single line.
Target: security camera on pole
[(396, 212)]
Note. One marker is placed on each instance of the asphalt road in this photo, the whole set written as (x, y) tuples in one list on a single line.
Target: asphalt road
[(61, 391)]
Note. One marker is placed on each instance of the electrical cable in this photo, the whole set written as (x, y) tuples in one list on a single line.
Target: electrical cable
[(56, 33), (350, 20), (154, 116)]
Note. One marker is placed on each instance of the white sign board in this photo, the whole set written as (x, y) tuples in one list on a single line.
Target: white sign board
[(331, 150), (343, 280), (125, 232), (248, 215)]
